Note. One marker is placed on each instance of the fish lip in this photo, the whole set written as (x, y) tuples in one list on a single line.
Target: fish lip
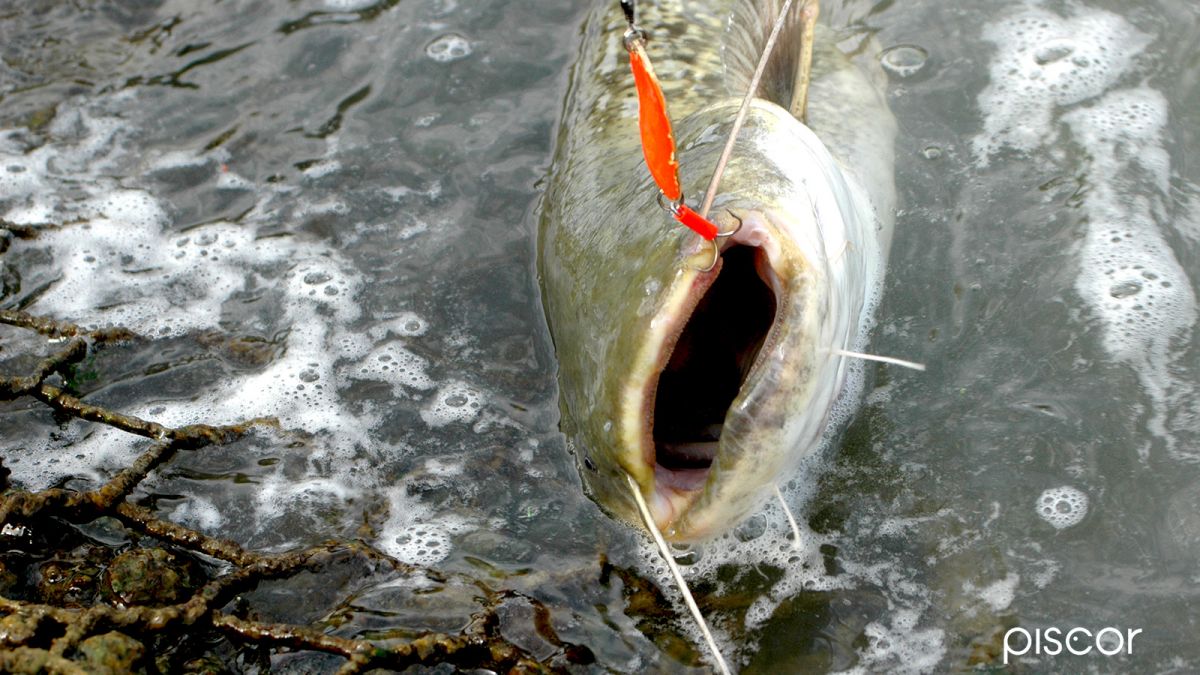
[(674, 491)]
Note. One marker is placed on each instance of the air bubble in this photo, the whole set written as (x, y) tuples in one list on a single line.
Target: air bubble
[(449, 47), (1054, 51), (1125, 289), (752, 528)]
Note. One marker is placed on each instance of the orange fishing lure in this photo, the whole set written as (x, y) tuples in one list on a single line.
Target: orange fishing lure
[(658, 141)]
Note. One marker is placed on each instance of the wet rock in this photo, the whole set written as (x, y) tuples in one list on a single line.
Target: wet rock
[(67, 583), (497, 548), (112, 654), (149, 576), (8, 579), (246, 351)]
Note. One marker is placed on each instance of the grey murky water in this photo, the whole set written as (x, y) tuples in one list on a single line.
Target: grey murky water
[(325, 212)]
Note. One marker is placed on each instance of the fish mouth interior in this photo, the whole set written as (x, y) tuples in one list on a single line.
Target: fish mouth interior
[(708, 366)]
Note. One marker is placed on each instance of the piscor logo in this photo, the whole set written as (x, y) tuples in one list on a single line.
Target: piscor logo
[(1052, 641)]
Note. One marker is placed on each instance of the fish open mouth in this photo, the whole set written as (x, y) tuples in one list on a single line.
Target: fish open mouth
[(708, 366)]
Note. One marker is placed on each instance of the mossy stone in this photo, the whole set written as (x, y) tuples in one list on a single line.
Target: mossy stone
[(149, 577), (112, 654)]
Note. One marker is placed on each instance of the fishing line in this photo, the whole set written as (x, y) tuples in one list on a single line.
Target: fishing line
[(679, 581), (743, 110)]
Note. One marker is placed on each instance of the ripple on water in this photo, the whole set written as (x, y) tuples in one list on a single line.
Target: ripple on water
[(904, 60)]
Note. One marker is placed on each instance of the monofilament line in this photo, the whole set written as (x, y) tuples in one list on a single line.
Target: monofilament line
[(882, 359), (791, 519), (743, 110), (683, 587)]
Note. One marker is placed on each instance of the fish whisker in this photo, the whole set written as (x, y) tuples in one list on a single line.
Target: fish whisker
[(790, 518), (881, 359)]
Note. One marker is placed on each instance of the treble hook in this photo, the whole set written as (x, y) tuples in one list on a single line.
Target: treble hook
[(716, 247)]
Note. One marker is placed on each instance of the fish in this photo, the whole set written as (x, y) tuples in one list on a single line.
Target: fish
[(706, 387)]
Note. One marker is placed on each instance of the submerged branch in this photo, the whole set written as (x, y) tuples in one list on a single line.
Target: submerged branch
[(60, 638)]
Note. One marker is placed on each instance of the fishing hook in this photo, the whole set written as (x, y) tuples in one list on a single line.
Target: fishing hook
[(717, 247), (673, 209)]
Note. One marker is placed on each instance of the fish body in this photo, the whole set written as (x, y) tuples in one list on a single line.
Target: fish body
[(707, 387)]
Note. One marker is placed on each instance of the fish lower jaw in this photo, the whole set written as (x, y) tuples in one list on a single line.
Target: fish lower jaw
[(674, 492)]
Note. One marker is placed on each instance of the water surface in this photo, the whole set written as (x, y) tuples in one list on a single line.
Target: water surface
[(324, 211)]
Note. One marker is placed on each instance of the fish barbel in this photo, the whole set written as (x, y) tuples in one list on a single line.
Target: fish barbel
[(708, 387)]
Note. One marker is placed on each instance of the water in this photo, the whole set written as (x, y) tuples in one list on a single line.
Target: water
[(324, 211)]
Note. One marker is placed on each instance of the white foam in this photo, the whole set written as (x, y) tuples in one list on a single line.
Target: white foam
[(394, 364), (999, 594), (1045, 61), (413, 534), (1063, 506), (322, 168), (79, 450), (120, 268), (349, 5), (1129, 276), (198, 513), (126, 266), (901, 647), (455, 402)]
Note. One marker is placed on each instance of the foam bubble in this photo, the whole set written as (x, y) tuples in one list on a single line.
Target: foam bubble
[(395, 365), (901, 647), (999, 594), (1045, 61), (448, 47), (322, 168), (1062, 506), (407, 324), (903, 60), (454, 402), (413, 534)]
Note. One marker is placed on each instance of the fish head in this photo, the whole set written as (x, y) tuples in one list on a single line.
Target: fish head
[(735, 370)]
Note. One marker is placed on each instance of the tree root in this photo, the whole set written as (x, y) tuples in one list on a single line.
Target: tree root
[(39, 637)]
